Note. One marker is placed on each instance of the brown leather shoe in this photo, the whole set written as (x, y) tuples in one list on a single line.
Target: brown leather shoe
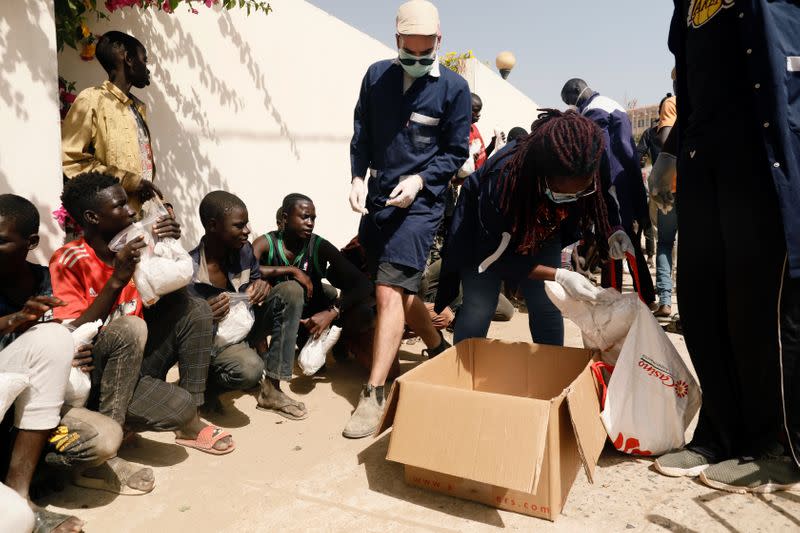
[(663, 311)]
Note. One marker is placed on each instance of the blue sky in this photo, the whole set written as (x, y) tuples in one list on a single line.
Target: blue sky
[(618, 46)]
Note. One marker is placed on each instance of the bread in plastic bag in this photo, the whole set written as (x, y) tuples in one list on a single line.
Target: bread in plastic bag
[(164, 266), (313, 354), (79, 383), (604, 324), (237, 323)]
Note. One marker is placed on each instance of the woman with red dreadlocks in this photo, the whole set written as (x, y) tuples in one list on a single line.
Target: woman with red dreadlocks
[(508, 220)]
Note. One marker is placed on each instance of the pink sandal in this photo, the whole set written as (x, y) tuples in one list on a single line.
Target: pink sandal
[(206, 440)]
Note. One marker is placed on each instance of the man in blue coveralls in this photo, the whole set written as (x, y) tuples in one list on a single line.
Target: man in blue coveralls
[(625, 178), (411, 131)]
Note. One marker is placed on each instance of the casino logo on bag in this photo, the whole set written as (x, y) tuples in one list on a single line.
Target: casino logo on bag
[(663, 374)]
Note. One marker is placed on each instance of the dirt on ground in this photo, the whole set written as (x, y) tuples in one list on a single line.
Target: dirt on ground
[(304, 476)]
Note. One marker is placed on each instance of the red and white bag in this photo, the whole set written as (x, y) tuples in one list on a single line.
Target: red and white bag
[(652, 395)]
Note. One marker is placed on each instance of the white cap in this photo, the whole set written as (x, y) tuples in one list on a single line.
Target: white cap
[(417, 17)]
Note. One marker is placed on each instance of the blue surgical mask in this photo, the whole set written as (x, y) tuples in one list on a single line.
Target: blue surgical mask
[(416, 66)]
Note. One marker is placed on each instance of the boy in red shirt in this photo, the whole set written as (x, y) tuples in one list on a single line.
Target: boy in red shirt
[(96, 283)]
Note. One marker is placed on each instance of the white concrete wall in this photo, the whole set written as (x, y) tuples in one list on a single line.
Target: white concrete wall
[(30, 153), (262, 106), (504, 106)]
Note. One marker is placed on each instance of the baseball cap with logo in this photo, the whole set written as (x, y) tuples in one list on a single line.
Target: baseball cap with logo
[(417, 17)]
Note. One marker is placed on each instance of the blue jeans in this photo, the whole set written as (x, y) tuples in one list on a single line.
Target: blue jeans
[(667, 229), (284, 307), (481, 292)]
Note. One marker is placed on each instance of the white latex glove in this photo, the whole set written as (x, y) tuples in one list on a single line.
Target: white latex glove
[(660, 182), (358, 196), (405, 192), (577, 286), (467, 168), (618, 244), (500, 140)]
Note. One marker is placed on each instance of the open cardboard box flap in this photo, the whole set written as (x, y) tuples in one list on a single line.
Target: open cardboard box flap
[(590, 433), (485, 437)]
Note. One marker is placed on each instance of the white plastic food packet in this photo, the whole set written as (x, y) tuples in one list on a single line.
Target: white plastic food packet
[(313, 354), (164, 266), (79, 384), (237, 323)]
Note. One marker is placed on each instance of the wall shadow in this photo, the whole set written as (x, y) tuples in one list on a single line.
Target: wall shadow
[(15, 53), (48, 228), (247, 58)]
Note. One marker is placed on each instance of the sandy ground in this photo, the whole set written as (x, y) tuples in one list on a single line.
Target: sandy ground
[(304, 476)]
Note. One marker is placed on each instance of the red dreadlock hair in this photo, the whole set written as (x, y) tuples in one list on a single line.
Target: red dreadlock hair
[(559, 144)]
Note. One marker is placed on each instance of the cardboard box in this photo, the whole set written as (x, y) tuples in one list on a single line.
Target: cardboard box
[(505, 424)]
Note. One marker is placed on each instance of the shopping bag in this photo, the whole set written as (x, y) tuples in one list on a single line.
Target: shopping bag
[(313, 354), (652, 395)]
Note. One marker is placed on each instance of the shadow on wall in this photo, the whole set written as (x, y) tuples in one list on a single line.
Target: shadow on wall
[(177, 113), (258, 77), (183, 172), (51, 235), (15, 54)]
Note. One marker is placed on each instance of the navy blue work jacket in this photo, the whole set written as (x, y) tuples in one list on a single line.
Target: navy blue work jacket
[(625, 173), (769, 33), (423, 131)]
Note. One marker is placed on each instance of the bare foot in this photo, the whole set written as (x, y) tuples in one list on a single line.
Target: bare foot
[(118, 476), (48, 521), (192, 430), (71, 525), (273, 399)]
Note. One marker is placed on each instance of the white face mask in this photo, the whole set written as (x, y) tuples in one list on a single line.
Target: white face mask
[(574, 106)]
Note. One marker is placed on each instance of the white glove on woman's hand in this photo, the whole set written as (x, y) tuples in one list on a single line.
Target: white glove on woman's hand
[(578, 287), (618, 244), (405, 192), (358, 196), (660, 181)]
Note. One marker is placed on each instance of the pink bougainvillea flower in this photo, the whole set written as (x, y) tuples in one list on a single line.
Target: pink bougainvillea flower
[(65, 221), (209, 3)]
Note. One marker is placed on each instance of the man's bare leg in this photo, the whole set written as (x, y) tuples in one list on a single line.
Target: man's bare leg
[(418, 317), (389, 326), (390, 322), (28, 447)]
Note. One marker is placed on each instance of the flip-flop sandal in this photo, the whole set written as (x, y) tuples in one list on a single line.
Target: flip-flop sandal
[(46, 521), (110, 482), (206, 439), (281, 410)]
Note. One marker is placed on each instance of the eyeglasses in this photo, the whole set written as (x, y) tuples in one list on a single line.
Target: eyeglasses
[(407, 61)]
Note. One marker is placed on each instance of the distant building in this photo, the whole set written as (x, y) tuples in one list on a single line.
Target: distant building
[(642, 118)]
